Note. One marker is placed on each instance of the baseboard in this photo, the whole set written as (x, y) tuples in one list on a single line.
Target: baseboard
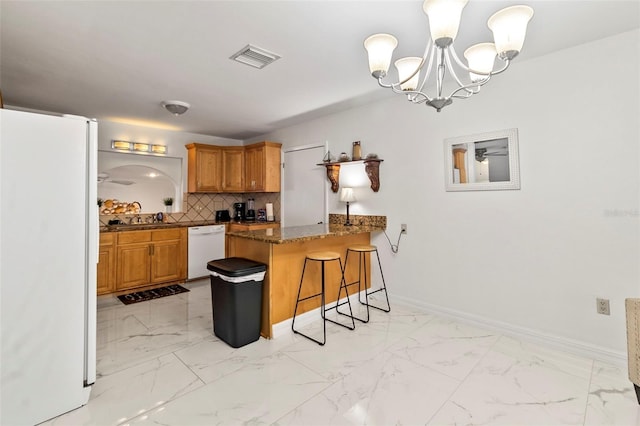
[(284, 327), (575, 347)]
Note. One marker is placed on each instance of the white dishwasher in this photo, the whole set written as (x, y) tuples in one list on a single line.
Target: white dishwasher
[(205, 243)]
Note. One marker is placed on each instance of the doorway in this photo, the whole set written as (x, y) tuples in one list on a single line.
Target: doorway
[(304, 195)]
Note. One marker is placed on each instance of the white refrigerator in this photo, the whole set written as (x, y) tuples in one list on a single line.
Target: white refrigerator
[(48, 257)]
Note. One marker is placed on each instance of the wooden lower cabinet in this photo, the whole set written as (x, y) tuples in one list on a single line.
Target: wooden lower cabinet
[(106, 273), (145, 258)]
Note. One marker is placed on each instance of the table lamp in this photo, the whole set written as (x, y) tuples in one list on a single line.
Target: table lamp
[(347, 196)]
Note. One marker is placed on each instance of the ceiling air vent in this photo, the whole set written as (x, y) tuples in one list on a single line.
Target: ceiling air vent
[(254, 56)]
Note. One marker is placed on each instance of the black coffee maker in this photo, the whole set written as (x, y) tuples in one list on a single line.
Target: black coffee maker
[(239, 212)]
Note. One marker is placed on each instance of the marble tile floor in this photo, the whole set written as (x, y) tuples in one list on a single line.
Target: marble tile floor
[(159, 363)]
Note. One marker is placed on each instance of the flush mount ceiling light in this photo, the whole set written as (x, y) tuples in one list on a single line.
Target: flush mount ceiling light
[(509, 27), (176, 107), (254, 56)]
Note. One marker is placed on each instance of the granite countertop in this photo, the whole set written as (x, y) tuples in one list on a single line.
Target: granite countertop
[(302, 233), (145, 226)]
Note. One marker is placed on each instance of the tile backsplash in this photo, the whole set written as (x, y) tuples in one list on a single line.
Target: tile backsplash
[(202, 207)]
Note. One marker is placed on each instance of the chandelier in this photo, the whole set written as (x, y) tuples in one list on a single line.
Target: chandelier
[(508, 25)]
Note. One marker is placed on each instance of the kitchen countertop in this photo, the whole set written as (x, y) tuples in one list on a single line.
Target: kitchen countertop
[(302, 233), (144, 226)]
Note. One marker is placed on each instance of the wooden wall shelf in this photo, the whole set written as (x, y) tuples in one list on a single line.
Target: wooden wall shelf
[(371, 167)]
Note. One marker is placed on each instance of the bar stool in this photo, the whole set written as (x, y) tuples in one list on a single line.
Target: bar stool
[(362, 250), (322, 257)]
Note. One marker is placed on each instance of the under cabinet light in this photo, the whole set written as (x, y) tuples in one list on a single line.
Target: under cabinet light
[(122, 145), (139, 147)]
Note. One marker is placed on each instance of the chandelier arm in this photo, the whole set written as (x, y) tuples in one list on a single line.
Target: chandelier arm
[(461, 85), (424, 58), (441, 70), (507, 62), (466, 68), (469, 89), (428, 72)]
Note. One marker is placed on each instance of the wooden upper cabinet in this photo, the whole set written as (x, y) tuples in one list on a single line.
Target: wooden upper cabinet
[(262, 167), (233, 169), (251, 168), (204, 168)]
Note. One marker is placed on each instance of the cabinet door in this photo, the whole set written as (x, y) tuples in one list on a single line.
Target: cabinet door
[(254, 169), (106, 270), (167, 261), (208, 170), (233, 169), (133, 266)]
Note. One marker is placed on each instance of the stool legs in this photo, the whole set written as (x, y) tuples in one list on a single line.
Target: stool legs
[(323, 308), (362, 260), (383, 288)]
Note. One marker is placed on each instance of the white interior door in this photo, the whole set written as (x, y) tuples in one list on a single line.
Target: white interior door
[(304, 195)]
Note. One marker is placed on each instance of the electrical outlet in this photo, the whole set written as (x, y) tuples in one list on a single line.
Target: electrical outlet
[(403, 228), (602, 306)]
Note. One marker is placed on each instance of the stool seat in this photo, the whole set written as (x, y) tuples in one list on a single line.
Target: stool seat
[(323, 255), (363, 247)]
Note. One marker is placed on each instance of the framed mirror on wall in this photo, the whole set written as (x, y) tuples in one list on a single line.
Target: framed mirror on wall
[(482, 162)]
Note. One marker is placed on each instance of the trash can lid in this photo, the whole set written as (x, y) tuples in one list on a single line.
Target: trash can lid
[(236, 266)]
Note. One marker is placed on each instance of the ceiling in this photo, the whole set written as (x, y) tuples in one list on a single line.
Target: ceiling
[(118, 60)]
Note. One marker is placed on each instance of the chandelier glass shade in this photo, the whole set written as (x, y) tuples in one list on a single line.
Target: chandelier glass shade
[(509, 27)]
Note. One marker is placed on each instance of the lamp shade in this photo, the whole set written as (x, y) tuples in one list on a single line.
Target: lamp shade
[(480, 57), (380, 48), (509, 27), (347, 195), (444, 19), (406, 67)]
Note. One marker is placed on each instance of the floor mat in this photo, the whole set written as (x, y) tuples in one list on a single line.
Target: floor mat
[(141, 296)]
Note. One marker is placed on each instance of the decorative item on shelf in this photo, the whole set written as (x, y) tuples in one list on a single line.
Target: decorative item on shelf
[(168, 204), (356, 153), (327, 157), (347, 196), (372, 156), (343, 157), (509, 28), (112, 206)]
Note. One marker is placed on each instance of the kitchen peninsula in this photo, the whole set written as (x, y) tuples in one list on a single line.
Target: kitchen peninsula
[(283, 250)]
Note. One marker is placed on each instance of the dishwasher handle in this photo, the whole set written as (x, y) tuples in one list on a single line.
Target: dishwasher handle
[(206, 230)]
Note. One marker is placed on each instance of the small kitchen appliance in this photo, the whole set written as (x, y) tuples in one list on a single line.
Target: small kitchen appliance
[(251, 212), (223, 216), (239, 212)]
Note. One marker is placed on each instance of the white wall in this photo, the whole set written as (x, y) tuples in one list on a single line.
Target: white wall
[(174, 140), (533, 260)]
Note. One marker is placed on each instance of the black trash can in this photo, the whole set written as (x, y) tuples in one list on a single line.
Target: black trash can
[(236, 291)]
